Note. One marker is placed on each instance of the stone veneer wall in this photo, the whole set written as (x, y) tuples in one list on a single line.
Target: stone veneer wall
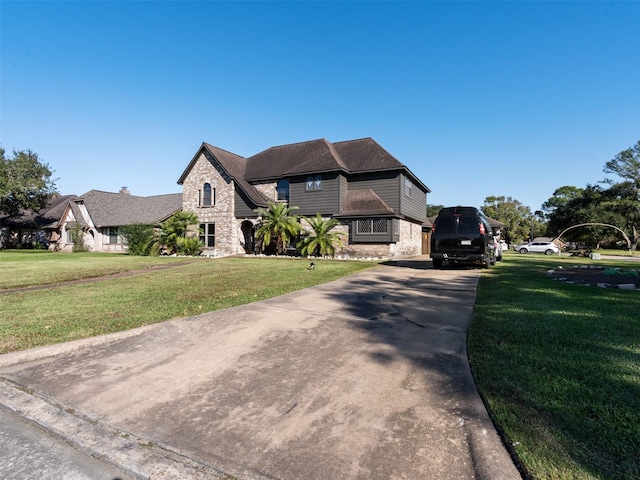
[(222, 213), (268, 189), (410, 242)]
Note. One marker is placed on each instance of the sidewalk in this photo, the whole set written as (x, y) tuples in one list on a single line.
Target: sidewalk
[(362, 378)]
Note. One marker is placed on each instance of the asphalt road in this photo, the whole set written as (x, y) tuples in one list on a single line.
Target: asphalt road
[(30, 453)]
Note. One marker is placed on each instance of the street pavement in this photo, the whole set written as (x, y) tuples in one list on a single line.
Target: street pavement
[(29, 452), (365, 377)]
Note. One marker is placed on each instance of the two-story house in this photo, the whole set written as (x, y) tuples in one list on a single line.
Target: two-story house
[(380, 203)]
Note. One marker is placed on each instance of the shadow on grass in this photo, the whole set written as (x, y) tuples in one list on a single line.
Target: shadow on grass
[(558, 366)]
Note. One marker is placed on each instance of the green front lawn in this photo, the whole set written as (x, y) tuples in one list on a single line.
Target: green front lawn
[(558, 365), (32, 318)]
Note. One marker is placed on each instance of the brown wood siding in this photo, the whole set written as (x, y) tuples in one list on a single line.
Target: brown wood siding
[(415, 206), (344, 188), (384, 184), (243, 206), (325, 201)]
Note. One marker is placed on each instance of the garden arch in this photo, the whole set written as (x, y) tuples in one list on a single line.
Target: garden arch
[(599, 224)]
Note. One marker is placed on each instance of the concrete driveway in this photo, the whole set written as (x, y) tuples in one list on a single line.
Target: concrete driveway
[(362, 378)]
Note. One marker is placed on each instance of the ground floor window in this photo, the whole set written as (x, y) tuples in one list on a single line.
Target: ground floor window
[(112, 234), (208, 234), (372, 225)]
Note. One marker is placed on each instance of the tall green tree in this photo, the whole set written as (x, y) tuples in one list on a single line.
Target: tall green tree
[(626, 165), (322, 241), (278, 224), (561, 196), (25, 182), (595, 204), (516, 217)]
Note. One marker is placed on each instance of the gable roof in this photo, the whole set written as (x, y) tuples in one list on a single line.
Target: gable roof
[(294, 159), (364, 202), (232, 166), (109, 209), (46, 217)]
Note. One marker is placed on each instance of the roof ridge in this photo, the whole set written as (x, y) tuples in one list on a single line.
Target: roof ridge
[(223, 150)]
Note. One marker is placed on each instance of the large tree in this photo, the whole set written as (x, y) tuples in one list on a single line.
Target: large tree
[(561, 197), (25, 182), (595, 204), (516, 217), (626, 165)]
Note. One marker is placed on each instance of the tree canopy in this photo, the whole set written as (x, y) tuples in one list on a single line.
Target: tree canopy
[(626, 165), (25, 182), (617, 205), (516, 217)]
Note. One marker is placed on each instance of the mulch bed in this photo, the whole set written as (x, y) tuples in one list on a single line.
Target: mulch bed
[(598, 276)]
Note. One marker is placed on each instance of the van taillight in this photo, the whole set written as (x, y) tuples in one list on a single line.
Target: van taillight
[(482, 231), (433, 228)]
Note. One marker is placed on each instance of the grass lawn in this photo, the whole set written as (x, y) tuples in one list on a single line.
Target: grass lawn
[(41, 317), (558, 365), (41, 267)]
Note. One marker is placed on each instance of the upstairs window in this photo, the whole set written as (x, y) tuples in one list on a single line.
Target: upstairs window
[(282, 191), (207, 196), (314, 183), (408, 186)]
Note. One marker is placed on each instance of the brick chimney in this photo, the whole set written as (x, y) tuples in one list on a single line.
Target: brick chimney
[(125, 190)]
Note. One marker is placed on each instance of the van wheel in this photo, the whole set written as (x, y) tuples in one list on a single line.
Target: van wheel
[(437, 263)]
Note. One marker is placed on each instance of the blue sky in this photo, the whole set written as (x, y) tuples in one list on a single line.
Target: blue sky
[(478, 99)]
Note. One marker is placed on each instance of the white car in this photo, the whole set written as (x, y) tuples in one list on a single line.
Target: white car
[(548, 248)]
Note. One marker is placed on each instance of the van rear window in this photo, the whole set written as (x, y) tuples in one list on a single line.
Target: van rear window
[(446, 225), (468, 225)]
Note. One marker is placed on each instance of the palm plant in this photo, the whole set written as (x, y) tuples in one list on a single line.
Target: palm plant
[(278, 224), (174, 233), (323, 241)]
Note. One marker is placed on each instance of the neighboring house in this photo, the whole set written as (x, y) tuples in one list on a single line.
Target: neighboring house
[(31, 229), (379, 202), (102, 214)]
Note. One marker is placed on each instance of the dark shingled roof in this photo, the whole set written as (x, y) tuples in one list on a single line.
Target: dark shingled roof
[(233, 166), (115, 209), (47, 217), (364, 202), (315, 156), (294, 159)]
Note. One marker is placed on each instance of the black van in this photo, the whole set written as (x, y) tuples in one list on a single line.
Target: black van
[(462, 235)]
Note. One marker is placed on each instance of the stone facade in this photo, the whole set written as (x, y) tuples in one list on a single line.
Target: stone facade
[(410, 242), (222, 210)]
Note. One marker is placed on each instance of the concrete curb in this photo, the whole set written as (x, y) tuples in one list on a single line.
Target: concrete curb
[(135, 456)]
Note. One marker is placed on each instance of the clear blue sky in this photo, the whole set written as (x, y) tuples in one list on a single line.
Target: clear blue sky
[(476, 98)]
